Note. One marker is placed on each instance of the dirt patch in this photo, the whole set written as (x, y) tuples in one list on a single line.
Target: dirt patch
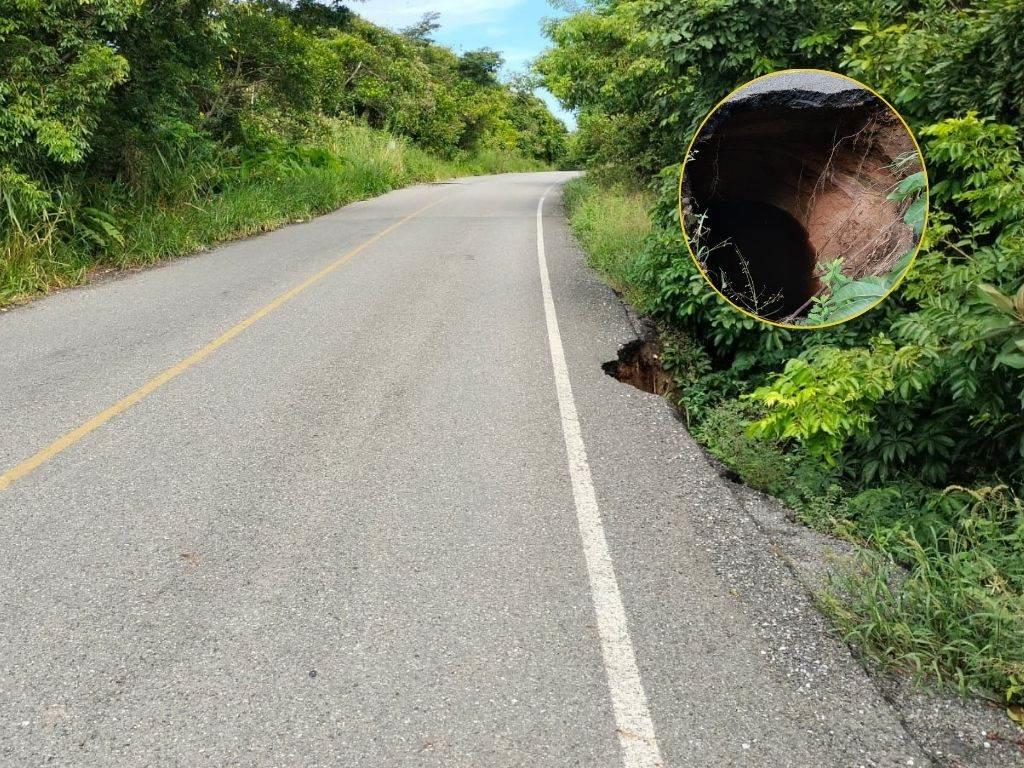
[(639, 365)]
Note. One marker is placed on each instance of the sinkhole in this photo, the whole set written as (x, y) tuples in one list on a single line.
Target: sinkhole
[(762, 254), (639, 364), (779, 184)]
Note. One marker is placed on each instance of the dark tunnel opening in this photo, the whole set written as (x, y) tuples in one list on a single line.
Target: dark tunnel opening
[(760, 255)]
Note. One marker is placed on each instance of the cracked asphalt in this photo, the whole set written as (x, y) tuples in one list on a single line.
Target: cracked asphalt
[(347, 535)]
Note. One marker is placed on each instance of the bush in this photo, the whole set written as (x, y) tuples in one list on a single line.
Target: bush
[(759, 462)]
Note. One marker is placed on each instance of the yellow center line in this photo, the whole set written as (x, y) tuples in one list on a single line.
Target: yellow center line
[(66, 441)]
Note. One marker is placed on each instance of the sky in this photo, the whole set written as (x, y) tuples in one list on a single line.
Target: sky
[(511, 27)]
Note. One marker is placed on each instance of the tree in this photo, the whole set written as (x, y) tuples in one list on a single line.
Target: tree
[(481, 66), (423, 30), (59, 71)]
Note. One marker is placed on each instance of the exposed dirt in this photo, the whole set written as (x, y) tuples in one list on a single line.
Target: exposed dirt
[(810, 174), (639, 365)]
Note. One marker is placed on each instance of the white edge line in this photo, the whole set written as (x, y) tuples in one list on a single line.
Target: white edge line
[(634, 726)]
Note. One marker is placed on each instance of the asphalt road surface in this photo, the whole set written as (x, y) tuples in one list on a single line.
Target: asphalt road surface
[(358, 493)]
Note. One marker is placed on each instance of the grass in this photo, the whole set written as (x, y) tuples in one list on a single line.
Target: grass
[(611, 225), (937, 586), (180, 207), (940, 591), (722, 430)]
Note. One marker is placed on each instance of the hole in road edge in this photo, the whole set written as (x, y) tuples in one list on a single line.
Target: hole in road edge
[(639, 365)]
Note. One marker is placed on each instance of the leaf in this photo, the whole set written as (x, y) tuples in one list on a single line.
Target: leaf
[(913, 183), (900, 267), (992, 295), (857, 296), (914, 217), (100, 227), (1010, 359)]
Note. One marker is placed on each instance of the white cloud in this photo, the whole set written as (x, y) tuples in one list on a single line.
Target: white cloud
[(454, 13)]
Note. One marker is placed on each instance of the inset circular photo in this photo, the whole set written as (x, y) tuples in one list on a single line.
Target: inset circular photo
[(803, 198)]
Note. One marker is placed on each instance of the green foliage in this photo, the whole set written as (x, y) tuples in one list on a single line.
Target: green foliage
[(759, 462), (829, 395), (937, 60), (602, 65), (480, 67), (1006, 324), (58, 74), (124, 122), (942, 592), (822, 307)]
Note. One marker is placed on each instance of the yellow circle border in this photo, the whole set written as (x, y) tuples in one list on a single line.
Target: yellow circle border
[(686, 236)]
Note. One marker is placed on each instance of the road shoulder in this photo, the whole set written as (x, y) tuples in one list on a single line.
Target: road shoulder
[(727, 639)]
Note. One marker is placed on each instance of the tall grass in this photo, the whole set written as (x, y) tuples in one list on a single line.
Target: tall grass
[(177, 206), (942, 591), (611, 225)]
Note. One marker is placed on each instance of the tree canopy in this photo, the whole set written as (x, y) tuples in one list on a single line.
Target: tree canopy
[(112, 89)]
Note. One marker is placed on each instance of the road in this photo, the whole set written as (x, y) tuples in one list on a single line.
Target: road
[(358, 493)]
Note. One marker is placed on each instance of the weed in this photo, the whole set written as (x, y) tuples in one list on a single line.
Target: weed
[(759, 462), (611, 225), (941, 593)]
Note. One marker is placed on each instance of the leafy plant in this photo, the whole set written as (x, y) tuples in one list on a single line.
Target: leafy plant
[(1006, 324), (828, 396)]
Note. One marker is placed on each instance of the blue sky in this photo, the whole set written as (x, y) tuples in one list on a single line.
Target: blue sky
[(509, 26)]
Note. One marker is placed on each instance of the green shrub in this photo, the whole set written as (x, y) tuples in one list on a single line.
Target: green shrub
[(759, 462)]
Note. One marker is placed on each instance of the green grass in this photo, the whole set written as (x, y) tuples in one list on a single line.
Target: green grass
[(186, 206), (937, 586), (611, 225), (940, 591), (759, 464)]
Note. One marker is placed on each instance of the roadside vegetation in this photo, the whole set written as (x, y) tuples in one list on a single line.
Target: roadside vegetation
[(133, 132), (902, 430)]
